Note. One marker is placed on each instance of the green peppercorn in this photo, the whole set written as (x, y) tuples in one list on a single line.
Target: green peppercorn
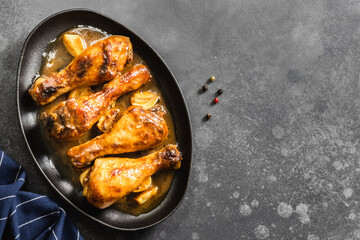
[(212, 78)]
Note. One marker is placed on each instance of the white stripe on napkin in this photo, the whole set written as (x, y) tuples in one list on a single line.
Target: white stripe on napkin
[(17, 174), (38, 218), (2, 156), (25, 203), (12, 196)]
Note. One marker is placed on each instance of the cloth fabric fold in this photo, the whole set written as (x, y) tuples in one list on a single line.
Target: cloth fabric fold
[(26, 215)]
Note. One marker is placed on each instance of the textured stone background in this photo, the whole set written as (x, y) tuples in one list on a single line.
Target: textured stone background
[(280, 159)]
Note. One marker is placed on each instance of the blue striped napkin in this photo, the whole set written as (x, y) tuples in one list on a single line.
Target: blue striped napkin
[(26, 215)]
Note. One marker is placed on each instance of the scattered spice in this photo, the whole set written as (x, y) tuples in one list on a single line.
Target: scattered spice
[(216, 100)]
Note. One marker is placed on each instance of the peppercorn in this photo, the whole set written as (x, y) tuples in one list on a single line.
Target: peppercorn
[(204, 88), (216, 100), (208, 116), (220, 91), (212, 78)]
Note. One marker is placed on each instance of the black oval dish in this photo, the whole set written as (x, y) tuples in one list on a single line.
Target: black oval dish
[(29, 64)]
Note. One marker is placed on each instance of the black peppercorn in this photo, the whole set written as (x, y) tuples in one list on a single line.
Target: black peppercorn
[(208, 116), (220, 91), (204, 88)]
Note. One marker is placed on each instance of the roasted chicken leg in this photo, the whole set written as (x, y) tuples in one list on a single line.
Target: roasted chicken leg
[(72, 118), (96, 64), (113, 178), (136, 129)]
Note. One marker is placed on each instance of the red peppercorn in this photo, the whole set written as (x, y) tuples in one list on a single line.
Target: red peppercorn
[(216, 100)]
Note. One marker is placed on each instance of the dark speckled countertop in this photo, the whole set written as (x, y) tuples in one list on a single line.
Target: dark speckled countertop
[(280, 158)]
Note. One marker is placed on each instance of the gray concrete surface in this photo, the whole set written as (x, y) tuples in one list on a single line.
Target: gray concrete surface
[(280, 158)]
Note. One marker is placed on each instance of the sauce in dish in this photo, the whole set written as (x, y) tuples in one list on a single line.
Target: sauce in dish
[(55, 58)]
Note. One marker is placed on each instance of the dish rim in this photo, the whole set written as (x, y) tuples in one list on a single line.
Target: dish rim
[(188, 120)]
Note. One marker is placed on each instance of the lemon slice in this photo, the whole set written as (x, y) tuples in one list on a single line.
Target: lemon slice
[(80, 92), (144, 185), (74, 44), (145, 99), (147, 195), (84, 176)]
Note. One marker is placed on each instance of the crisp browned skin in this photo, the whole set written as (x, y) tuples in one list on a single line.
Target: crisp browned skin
[(113, 178), (72, 118), (136, 129), (97, 64), (106, 120)]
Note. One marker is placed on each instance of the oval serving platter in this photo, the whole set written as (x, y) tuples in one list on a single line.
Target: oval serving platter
[(29, 65)]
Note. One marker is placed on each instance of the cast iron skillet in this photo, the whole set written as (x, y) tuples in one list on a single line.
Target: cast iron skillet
[(29, 65)]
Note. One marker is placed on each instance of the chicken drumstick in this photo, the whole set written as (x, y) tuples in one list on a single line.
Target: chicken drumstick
[(136, 129), (98, 63), (72, 118), (113, 178)]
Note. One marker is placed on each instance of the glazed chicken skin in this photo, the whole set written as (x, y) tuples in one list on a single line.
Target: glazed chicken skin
[(136, 129), (72, 118), (98, 63), (113, 178)]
